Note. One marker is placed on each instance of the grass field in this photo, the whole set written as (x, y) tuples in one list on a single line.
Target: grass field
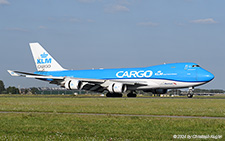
[(187, 107), (43, 126)]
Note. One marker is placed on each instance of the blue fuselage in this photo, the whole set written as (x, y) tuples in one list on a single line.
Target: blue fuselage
[(180, 72)]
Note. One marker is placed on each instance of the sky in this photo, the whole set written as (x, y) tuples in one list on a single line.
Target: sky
[(86, 34)]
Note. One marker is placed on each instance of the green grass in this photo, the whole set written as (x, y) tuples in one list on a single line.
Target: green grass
[(77, 127), (187, 107), (39, 126)]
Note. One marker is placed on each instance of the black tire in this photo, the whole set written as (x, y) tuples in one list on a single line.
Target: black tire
[(131, 95), (190, 95), (118, 95), (108, 95), (114, 95)]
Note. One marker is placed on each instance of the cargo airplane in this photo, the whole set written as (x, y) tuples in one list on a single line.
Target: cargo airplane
[(156, 79)]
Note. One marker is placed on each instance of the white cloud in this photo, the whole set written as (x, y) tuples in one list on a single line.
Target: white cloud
[(147, 24), (4, 2), (204, 21), (116, 8)]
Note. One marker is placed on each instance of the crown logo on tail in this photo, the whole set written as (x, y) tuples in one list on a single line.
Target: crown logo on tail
[(44, 55)]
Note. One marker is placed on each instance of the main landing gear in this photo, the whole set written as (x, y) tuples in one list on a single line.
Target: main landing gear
[(190, 92), (131, 94), (114, 95)]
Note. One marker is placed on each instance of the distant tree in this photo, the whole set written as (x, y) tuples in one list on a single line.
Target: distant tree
[(12, 90), (34, 90), (209, 91), (216, 91), (174, 91), (2, 87), (26, 91)]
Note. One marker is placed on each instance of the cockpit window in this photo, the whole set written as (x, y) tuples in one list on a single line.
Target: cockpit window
[(194, 66)]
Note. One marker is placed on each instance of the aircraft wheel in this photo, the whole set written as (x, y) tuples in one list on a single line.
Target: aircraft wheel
[(190, 95), (131, 95), (118, 95), (114, 95), (108, 95), (190, 92)]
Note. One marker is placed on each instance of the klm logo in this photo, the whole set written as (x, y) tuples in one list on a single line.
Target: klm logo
[(44, 59)]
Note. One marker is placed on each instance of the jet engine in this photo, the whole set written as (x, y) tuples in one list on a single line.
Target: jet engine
[(117, 88), (73, 84)]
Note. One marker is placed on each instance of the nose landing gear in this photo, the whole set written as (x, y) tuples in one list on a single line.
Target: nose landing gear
[(190, 92)]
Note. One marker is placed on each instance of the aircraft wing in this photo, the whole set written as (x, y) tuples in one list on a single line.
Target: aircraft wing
[(98, 85), (37, 76), (32, 75)]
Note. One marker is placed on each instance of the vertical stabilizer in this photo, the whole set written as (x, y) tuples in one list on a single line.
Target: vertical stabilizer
[(43, 60)]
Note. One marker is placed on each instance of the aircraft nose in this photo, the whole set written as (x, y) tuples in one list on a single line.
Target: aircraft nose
[(204, 75), (209, 76)]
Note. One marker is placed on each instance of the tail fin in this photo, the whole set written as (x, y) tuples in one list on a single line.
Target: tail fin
[(43, 60)]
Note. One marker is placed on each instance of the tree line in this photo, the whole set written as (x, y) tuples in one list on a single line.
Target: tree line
[(14, 90), (34, 90), (208, 91), (9, 90)]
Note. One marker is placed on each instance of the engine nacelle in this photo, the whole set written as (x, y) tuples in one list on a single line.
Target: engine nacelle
[(73, 84), (117, 88)]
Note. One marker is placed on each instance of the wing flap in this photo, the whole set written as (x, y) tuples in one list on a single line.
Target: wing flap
[(88, 80), (137, 83)]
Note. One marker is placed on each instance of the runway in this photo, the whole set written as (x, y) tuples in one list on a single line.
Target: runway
[(119, 115)]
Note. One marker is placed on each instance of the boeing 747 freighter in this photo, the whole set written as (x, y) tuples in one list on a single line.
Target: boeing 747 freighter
[(156, 79)]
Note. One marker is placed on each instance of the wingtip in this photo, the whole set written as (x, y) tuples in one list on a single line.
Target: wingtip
[(9, 71), (12, 73)]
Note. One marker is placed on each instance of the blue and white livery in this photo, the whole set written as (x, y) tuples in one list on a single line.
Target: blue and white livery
[(155, 79)]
